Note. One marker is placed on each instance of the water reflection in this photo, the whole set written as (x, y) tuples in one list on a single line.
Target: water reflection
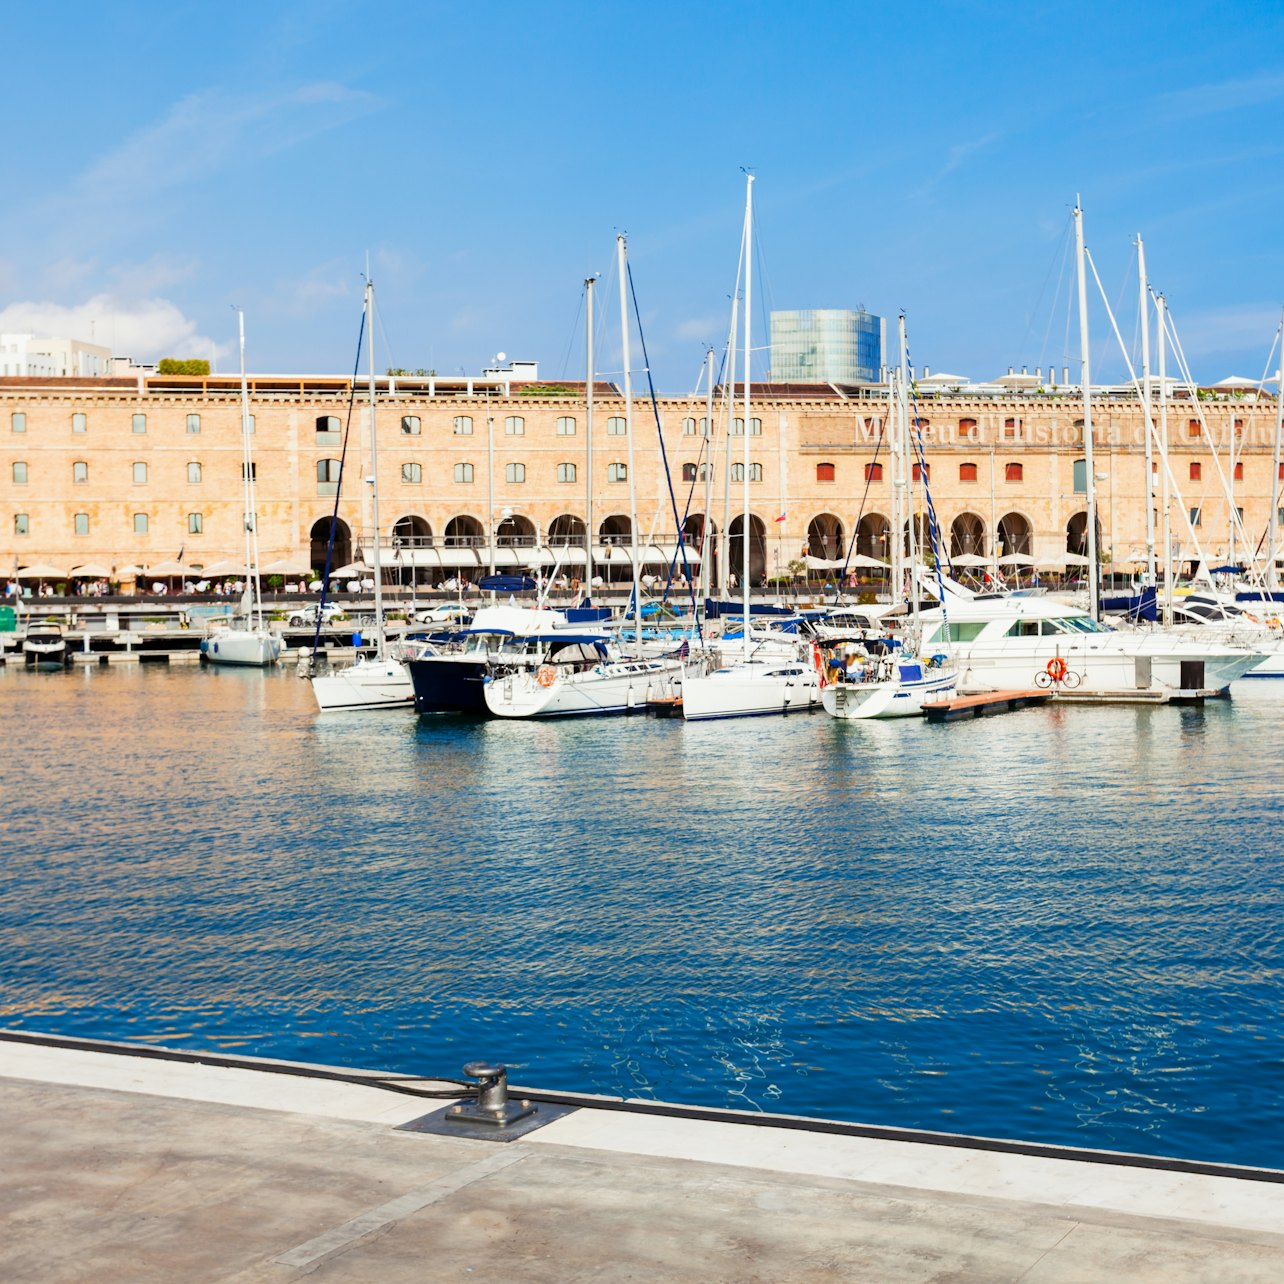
[(1061, 925)]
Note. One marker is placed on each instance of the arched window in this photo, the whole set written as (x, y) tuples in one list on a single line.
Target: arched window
[(617, 472), (193, 424), (967, 472), (82, 523), (1013, 429), (327, 476), (80, 471), (919, 471), (140, 423), (825, 472), (140, 523), (755, 472), (689, 428), (967, 429), (1239, 472), (140, 472), (1013, 472), (463, 472), (738, 471), (1193, 428), (411, 425), (566, 472), (755, 428), (515, 426), (873, 472), (412, 474), (616, 426), (463, 425), (80, 422), (924, 426), (688, 472), (514, 472), (328, 430), (18, 420), (195, 524), (194, 472), (566, 426)]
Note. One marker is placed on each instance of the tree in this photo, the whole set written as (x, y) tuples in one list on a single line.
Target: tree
[(175, 366)]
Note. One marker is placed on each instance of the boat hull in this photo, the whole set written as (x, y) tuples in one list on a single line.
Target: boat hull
[(449, 683), (368, 684), (245, 647), (893, 698), (619, 687), (751, 691)]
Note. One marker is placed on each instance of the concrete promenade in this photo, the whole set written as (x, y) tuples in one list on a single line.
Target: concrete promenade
[(126, 1169)]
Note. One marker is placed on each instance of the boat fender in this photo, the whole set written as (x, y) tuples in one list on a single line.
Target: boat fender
[(546, 675)]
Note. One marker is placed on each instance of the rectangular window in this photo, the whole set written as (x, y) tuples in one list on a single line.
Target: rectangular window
[(463, 425), (514, 472), (967, 431), (410, 425), (327, 476), (20, 473), (193, 423), (21, 524), (617, 472), (873, 472), (82, 523), (193, 472), (1013, 472), (514, 426), (967, 472), (79, 422), (140, 523), (252, 424), (195, 524), (412, 474), (616, 426), (825, 472), (1192, 428), (140, 473), (19, 420), (80, 471), (566, 472), (919, 471), (566, 426), (1239, 472), (704, 427), (1196, 471), (1080, 476), (140, 423), (1196, 516), (463, 472)]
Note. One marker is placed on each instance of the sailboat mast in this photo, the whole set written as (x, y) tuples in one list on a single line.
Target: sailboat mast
[(1272, 529), (374, 472), (1094, 569), (896, 536), (907, 467), (1145, 419), (589, 528), (255, 614), (706, 578), (622, 264), (1162, 321), (745, 532)]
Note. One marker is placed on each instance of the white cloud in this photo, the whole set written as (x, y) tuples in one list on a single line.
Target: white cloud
[(1247, 328), (702, 329), (1219, 96), (144, 329)]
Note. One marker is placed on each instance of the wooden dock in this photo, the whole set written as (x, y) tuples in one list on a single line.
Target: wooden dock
[(984, 705)]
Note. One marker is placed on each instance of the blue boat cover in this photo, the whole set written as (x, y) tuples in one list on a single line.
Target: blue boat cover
[(506, 583)]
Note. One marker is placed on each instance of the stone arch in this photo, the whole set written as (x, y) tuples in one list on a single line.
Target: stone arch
[(693, 533), (319, 540), (1077, 534), (826, 538), (515, 531), (465, 531), (411, 531), (616, 529), (1014, 534), (566, 530), (757, 548), (872, 536), (967, 535)]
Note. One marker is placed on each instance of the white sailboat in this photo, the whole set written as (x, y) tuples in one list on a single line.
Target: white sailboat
[(542, 685), (755, 685), (248, 643), (380, 681)]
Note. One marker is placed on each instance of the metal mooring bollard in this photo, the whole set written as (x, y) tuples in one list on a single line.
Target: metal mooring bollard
[(492, 1105)]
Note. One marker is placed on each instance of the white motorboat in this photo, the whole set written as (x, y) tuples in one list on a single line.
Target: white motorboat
[(892, 686), (1216, 617), (752, 688), (254, 647), (1002, 643), (44, 644)]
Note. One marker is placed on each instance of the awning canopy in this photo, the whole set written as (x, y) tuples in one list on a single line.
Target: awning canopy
[(169, 568), (969, 559), (225, 567), (42, 571), (1016, 559), (91, 571)]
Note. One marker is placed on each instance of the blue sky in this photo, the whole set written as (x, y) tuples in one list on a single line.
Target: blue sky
[(171, 160)]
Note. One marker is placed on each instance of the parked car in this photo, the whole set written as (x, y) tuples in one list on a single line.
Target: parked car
[(448, 613), (306, 616)]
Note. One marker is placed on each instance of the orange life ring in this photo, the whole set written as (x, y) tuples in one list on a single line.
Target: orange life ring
[(546, 675), (1057, 669)]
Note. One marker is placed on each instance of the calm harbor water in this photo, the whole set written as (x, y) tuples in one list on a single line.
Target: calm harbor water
[(1063, 925)]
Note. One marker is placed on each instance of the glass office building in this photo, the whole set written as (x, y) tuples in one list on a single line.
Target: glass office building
[(826, 345)]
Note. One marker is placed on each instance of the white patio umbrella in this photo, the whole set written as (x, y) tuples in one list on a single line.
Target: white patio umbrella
[(42, 571), (287, 566), (225, 567), (169, 568), (970, 559), (862, 560), (1016, 559), (1072, 559), (352, 571), (91, 571)]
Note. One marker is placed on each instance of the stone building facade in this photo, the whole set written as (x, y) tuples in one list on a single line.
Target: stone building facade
[(139, 471)]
